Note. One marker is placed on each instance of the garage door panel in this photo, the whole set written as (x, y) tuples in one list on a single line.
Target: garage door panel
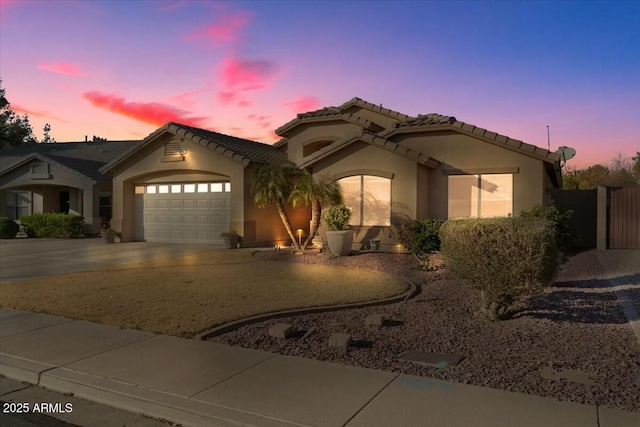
[(218, 204), (186, 217)]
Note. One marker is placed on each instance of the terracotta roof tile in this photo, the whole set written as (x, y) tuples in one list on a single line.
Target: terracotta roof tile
[(425, 120), (231, 146)]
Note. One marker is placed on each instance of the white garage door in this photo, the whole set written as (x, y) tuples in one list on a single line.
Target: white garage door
[(183, 212)]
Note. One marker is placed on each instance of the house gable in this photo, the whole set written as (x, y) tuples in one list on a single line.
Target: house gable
[(176, 135), (36, 169)]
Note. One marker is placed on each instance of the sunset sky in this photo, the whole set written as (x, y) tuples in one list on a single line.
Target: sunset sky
[(121, 69)]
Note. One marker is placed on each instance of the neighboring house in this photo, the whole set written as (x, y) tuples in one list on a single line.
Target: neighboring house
[(183, 184), (60, 177), (392, 166)]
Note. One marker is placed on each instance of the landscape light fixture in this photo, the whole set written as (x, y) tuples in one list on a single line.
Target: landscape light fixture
[(299, 231)]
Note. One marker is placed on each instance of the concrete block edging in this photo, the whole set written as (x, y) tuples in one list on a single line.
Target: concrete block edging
[(411, 292)]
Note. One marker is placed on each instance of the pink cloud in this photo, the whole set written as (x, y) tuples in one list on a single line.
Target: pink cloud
[(245, 103), (303, 103), (65, 68), (34, 113), (187, 99), (226, 97), (243, 75), (226, 29), (147, 112)]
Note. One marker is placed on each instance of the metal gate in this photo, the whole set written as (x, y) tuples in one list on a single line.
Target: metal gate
[(624, 218)]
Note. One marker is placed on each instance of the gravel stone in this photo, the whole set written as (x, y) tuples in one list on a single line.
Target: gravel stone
[(576, 324)]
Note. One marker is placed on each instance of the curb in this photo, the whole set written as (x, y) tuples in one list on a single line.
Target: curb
[(230, 326)]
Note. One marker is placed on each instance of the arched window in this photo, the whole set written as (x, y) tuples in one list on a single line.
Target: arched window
[(370, 198)]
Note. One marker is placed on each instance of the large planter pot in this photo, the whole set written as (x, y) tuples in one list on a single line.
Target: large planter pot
[(340, 242)]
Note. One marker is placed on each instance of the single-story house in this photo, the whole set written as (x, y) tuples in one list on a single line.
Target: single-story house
[(185, 184), (392, 166), (59, 177)]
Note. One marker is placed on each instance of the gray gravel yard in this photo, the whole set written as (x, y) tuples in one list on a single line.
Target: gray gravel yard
[(576, 324)]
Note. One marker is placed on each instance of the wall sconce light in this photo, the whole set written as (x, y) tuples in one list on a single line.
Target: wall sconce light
[(184, 151)]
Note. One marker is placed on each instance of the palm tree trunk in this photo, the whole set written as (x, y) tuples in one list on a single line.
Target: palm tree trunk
[(287, 224), (315, 223)]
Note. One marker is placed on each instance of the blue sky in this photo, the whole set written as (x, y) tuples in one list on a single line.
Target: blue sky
[(121, 69)]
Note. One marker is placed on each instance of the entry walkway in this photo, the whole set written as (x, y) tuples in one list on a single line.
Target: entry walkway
[(196, 383)]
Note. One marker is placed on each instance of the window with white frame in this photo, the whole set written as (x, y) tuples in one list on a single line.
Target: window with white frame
[(370, 198), (480, 196)]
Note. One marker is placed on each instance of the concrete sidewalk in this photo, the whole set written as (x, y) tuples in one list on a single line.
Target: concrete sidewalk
[(196, 383)]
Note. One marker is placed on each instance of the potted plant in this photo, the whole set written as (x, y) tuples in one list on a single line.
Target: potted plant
[(230, 239), (339, 236)]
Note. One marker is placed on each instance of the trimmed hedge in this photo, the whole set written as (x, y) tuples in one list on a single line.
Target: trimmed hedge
[(565, 237), (53, 225), (506, 259), (8, 228)]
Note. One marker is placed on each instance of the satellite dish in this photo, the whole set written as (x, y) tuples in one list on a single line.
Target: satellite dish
[(566, 153)]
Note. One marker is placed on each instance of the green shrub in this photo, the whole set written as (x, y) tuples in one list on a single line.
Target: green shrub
[(421, 237), (565, 237), (8, 228), (337, 217), (53, 225), (506, 259)]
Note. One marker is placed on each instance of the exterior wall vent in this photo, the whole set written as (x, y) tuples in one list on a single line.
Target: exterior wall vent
[(173, 151)]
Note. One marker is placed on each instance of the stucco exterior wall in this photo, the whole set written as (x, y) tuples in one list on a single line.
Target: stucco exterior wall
[(459, 151), (314, 132), (362, 158), (263, 226), (147, 166)]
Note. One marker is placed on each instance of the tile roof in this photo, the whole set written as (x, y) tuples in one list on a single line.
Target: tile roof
[(438, 121), (85, 158), (340, 112), (425, 120), (251, 151), (241, 150), (373, 107)]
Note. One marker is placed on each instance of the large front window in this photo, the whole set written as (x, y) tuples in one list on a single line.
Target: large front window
[(480, 196), (18, 204), (369, 197)]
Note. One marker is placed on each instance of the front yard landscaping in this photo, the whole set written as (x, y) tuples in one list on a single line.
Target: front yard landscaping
[(576, 324), (186, 295)]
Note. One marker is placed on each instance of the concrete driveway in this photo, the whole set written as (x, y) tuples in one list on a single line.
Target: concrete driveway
[(27, 258)]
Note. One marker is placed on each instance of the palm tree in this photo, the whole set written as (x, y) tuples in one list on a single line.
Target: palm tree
[(272, 185), (316, 193)]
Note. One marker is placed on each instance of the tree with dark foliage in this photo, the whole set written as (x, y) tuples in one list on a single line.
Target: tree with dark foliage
[(14, 130)]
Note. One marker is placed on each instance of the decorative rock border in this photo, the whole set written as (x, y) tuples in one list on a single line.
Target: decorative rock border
[(230, 326)]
